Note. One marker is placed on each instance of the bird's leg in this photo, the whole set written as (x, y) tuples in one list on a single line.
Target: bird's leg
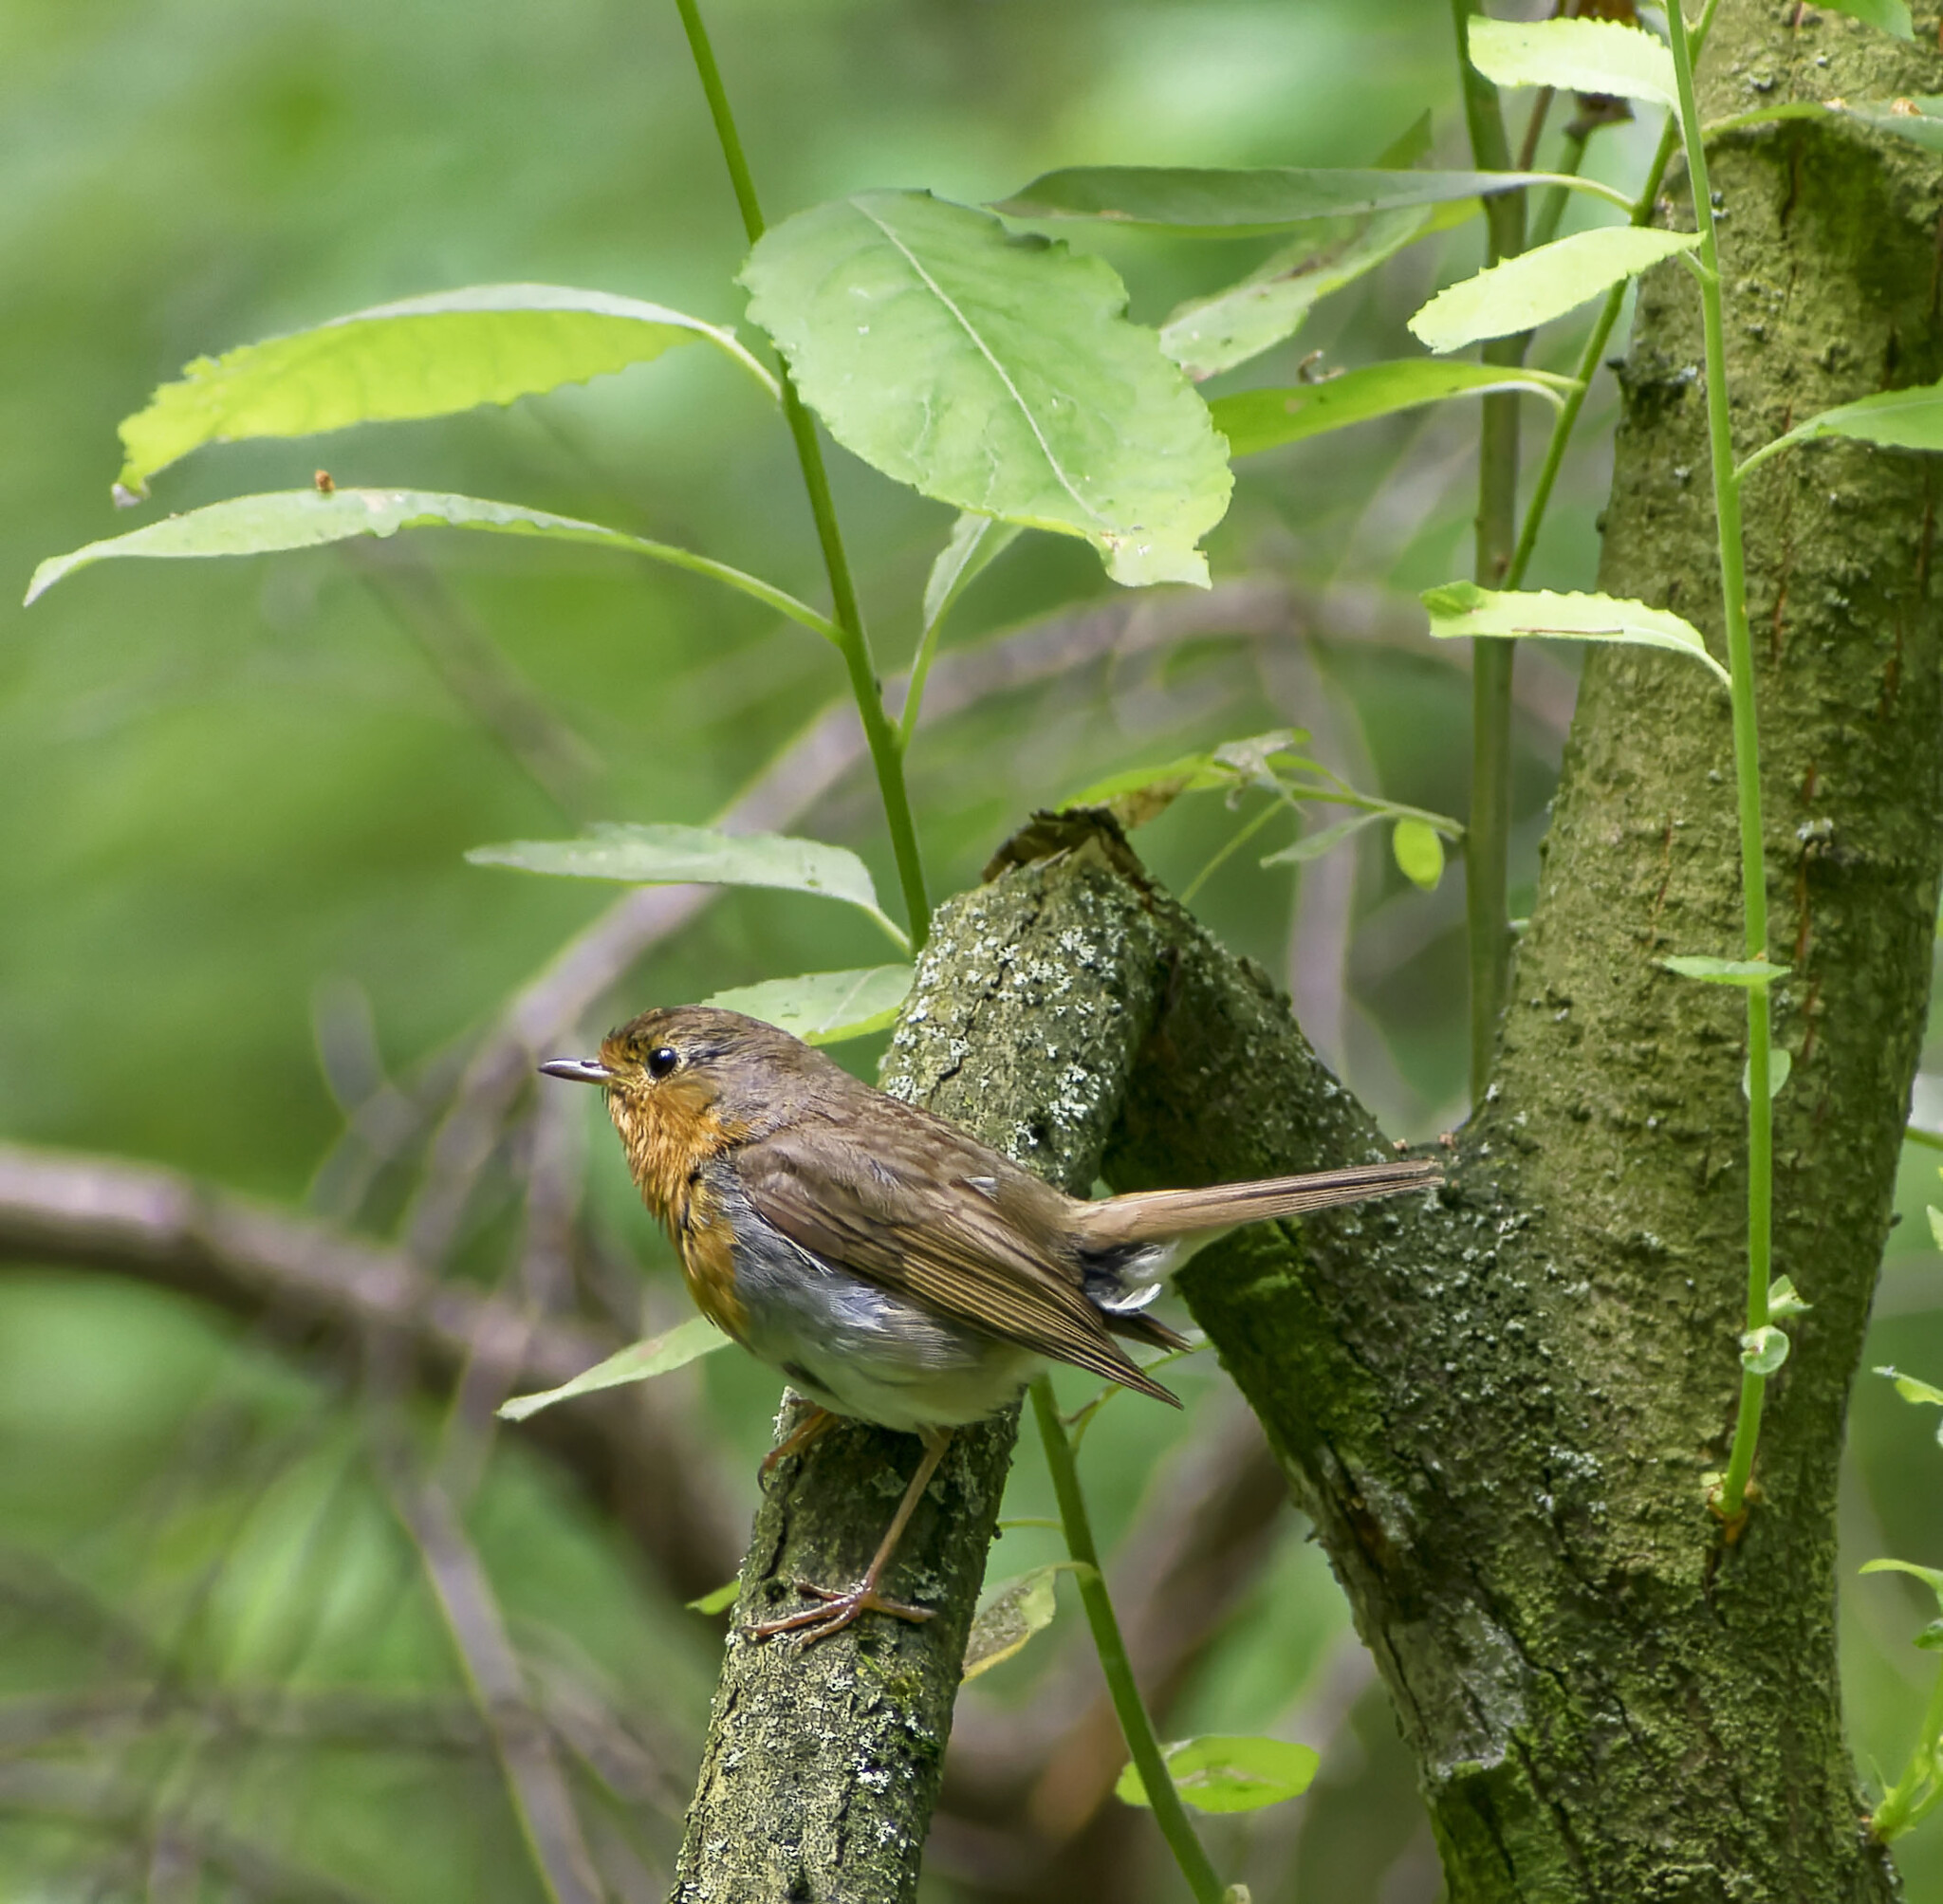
[(843, 1604), (818, 1421)]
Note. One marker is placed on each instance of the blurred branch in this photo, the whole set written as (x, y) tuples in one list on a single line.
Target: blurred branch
[(252, 1259), (479, 676), (520, 1737), (126, 1808)]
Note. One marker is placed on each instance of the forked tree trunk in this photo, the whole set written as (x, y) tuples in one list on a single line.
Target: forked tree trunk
[(1501, 1409)]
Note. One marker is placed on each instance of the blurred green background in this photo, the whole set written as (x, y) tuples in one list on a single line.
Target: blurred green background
[(235, 797)]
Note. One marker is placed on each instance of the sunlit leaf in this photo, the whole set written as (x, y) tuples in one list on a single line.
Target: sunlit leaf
[(1747, 972), (1192, 201), (680, 856), (657, 1356), (1896, 420), (1419, 852), (1222, 1773), (1462, 608), (975, 541), (287, 519), (1253, 420), (823, 1008), (720, 1601), (1538, 286), (425, 357), (1936, 1225), (1011, 1616), (998, 374), (1891, 15), (1574, 56)]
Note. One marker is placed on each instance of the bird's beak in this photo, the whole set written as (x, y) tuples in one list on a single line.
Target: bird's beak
[(581, 1070)]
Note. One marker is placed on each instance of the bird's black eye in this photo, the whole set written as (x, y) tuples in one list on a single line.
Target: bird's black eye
[(663, 1060)]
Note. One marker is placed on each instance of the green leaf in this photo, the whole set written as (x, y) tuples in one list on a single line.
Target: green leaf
[(1208, 335), (1750, 973), (1574, 56), (823, 1008), (1780, 1062), (1919, 120), (1139, 794), (1462, 608), (1763, 1351), (1912, 1389), (1783, 1302), (1931, 1577), (1253, 420), (425, 357), (975, 541), (289, 518), (1896, 420), (720, 1601), (1313, 845), (1224, 1773), (1191, 201), (1538, 286), (998, 374), (1936, 1225), (657, 1356), (1011, 1614), (1419, 853), (1891, 15), (680, 856)]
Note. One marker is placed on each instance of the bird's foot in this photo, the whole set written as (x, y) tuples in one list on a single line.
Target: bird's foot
[(813, 1426), (841, 1606)]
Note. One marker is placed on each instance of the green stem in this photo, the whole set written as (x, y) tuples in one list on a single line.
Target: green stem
[(1243, 835), (1551, 208), (1900, 1807), (1930, 1141), (1740, 648), (885, 755), (1139, 1730), (1487, 839)]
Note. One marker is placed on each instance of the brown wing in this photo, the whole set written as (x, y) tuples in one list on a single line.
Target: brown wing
[(928, 1212)]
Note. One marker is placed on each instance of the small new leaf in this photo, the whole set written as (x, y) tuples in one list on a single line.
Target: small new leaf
[(1912, 1389), (719, 1602), (1780, 1064), (1419, 853), (1783, 1302), (640, 1362), (1763, 1351), (1223, 1773)]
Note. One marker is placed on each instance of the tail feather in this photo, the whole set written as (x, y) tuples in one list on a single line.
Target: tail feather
[(1152, 1215)]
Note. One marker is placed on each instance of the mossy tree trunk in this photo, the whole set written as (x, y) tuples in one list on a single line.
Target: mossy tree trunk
[(1501, 1410)]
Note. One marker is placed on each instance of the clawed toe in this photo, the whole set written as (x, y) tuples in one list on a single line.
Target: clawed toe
[(840, 1607)]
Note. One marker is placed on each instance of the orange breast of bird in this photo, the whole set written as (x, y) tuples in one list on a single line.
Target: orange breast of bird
[(669, 1146)]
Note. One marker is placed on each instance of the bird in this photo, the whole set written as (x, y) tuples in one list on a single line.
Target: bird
[(890, 1266)]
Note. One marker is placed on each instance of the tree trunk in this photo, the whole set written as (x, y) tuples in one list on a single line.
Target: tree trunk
[(1502, 1410)]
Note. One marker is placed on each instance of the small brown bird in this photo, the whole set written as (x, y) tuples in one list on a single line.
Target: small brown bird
[(892, 1267)]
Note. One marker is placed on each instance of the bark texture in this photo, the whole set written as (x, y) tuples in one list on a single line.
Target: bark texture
[(1501, 1407)]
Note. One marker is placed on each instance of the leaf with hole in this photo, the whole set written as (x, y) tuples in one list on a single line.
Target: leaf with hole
[(680, 856), (1574, 56), (424, 356), (823, 1008), (1223, 1773), (1463, 609), (1198, 202), (1536, 287), (287, 519), (658, 1354), (998, 374), (1253, 420), (1011, 1614)]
